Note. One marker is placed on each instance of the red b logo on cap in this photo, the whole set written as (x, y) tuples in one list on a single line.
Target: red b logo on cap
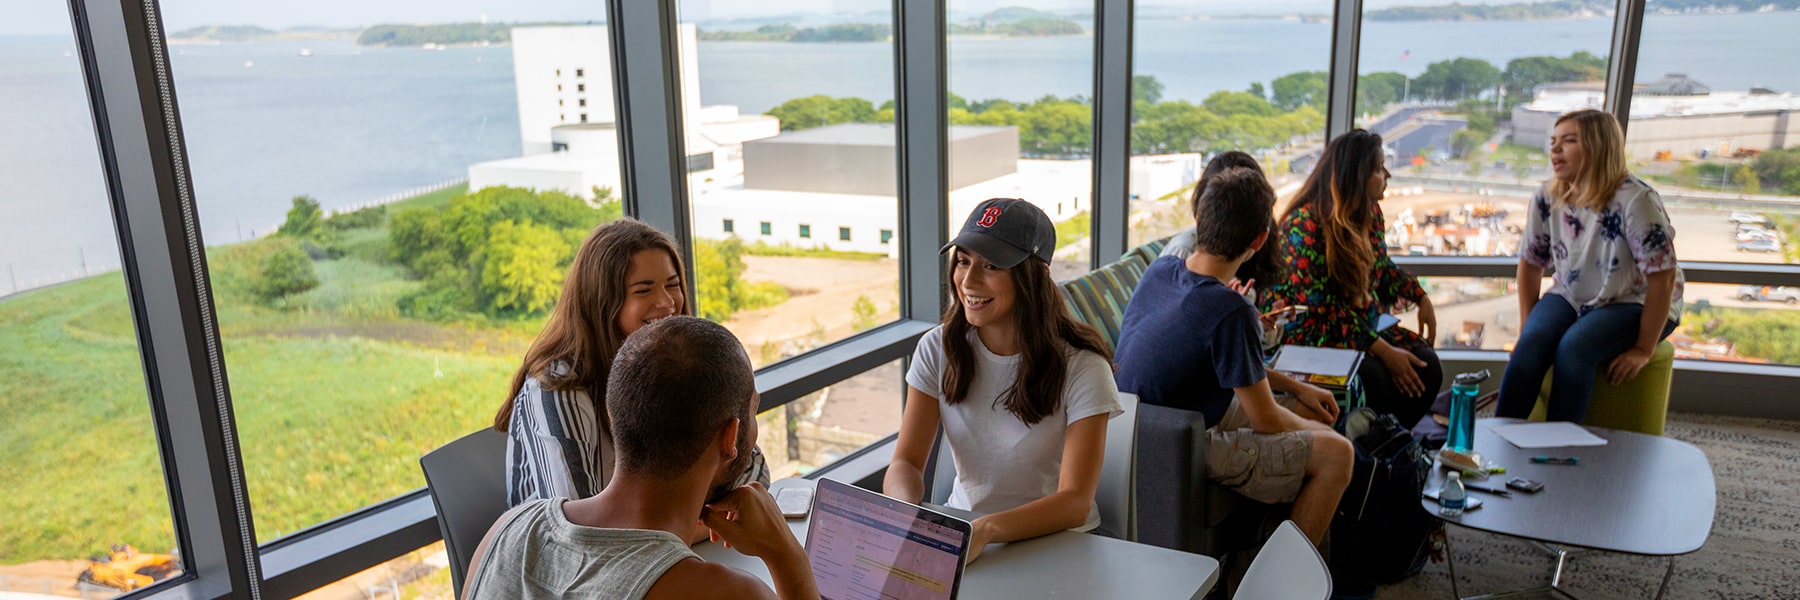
[(988, 216)]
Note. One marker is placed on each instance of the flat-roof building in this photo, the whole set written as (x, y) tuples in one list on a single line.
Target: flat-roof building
[(1676, 115), (858, 158)]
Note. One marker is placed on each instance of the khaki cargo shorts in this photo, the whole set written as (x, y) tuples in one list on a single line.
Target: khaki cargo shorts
[(1266, 467)]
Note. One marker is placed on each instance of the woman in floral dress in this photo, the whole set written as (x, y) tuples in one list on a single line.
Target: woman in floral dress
[(1338, 267)]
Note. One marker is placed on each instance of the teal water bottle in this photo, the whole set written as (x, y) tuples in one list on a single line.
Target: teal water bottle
[(1462, 410)]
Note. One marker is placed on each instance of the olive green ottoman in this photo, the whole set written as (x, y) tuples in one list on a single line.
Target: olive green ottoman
[(1640, 405)]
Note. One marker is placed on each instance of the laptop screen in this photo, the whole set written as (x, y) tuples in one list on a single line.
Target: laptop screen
[(866, 546)]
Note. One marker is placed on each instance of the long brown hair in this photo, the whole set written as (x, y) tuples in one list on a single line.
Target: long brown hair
[(1603, 164), (1337, 194), (1047, 337), (576, 348), (1265, 267)]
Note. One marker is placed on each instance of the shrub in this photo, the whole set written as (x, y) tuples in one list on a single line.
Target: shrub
[(365, 218), (287, 271)]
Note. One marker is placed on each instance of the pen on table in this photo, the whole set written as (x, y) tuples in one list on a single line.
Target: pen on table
[(1555, 460), (1487, 490)]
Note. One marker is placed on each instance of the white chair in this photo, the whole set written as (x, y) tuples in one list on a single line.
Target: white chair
[(1287, 568), (943, 474), (1115, 492)]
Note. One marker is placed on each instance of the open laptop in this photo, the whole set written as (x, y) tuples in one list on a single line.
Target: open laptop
[(866, 546)]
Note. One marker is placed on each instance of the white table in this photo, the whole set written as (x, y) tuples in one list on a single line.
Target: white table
[(1638, 494), (1060, 565)]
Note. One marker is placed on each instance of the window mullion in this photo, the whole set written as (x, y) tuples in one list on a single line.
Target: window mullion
[(1346, 45), (1113, 21), (647, 93), (131, 90), (920, 86)]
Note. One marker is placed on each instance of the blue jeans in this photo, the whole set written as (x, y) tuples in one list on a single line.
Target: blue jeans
[(1577, 345)]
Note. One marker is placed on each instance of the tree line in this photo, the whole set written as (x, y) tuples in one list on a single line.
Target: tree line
[(1257, 118), (783, 32), (1058, 127), (1559, 9), (879, 32), (1563, 9), (498, 252), (1450, 80), (445, 33)]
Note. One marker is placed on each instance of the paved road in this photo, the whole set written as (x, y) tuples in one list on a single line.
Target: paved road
[(1431, 134), (1397, 118)]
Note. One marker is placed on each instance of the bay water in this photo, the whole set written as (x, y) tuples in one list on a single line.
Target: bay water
[(348, 125)]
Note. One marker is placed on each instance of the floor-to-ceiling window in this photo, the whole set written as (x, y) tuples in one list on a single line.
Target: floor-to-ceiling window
[(1211, 77), (1710, 129), (1021, 115), (391, 196), (84, 475), (793, 108)]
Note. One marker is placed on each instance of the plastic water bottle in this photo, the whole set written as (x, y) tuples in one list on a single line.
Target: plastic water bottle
[(1462, 410), (1452, 497)]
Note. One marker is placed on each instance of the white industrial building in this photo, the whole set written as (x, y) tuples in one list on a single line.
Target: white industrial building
[(829, 187), (834, 187), (563, 77), (1674, 115)]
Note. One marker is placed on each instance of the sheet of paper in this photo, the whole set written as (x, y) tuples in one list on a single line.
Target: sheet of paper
[(1322, 361), (1556, 434)]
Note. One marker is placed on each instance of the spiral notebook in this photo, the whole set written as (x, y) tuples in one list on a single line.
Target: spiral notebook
[(1330, 367)]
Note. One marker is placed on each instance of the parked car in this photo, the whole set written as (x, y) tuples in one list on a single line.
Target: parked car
[(1751, 293), (1746, 236), (1762, 245), (1752, 218)]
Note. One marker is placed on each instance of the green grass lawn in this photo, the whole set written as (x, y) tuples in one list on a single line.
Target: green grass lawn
[(437, 199), (336, 396), (82, 469), (1073, 230)]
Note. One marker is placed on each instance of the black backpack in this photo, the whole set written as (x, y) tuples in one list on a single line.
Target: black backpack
[(1381, 533)]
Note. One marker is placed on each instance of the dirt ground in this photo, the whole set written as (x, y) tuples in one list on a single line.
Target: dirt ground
[(821, 292), (46, 578)]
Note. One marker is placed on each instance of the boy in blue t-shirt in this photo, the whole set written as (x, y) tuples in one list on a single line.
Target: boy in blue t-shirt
[(1189, 341)]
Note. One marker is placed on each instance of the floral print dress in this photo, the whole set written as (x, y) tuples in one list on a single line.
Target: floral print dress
[(1333, 319)]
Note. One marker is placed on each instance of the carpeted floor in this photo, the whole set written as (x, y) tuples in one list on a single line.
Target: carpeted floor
[(1753, 552)]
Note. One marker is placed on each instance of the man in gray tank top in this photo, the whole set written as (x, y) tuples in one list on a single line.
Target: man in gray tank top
[(682, 401)]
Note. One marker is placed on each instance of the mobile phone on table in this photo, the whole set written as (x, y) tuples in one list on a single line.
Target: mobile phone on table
[(794, 502), (1525, 485)]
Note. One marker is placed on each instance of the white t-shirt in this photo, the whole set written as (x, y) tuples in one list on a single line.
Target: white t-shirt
[(1001, 463)]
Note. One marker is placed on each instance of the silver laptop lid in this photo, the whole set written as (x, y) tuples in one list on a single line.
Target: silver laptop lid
[(866, 546)]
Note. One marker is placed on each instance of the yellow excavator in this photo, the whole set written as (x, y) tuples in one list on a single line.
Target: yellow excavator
[(127, 569)]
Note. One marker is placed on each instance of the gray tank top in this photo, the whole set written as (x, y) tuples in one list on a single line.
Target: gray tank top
[(537, 553)]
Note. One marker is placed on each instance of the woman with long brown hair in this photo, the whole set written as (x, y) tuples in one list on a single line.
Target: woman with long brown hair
[(1338, 267), (626, 275), (1022, 389), (1608, 242)]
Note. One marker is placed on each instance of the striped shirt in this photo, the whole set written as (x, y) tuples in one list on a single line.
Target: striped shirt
[(556, 447)]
